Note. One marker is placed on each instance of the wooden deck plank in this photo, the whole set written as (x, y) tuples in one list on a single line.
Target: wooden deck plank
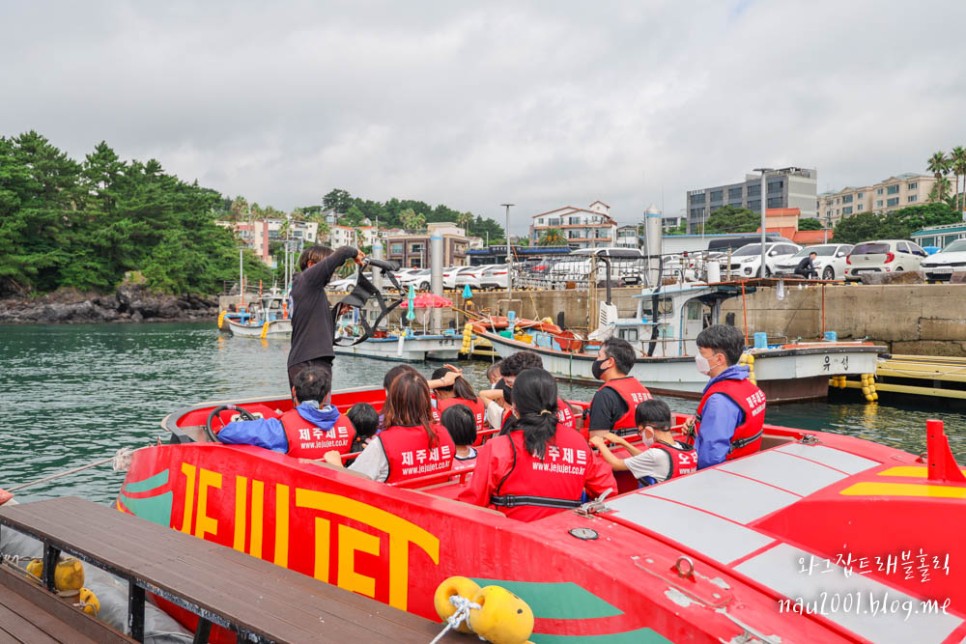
[(29, 613), (266, 598)]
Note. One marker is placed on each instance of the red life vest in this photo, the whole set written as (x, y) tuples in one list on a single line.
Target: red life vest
[(751, 400), (565, 418), (631, 392), (305, 440), (410, 454), (535, 488), (683, 459), (476, 406)]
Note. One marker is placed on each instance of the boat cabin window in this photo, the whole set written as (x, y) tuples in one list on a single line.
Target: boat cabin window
[(631, 335)]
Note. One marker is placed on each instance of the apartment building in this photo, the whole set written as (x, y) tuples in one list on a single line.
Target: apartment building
[(412, 249), (786, 188), (590, 227), (909, 189)]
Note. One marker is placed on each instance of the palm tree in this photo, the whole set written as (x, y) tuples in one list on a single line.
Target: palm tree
[(939, 190), (957, 163), (552, 237), (938, 164)]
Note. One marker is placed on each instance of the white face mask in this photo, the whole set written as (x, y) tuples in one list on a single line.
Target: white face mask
[(648, 440), (702, 364)]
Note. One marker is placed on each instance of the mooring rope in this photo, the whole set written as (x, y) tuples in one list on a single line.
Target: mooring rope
[(121, 460), (463, 606)]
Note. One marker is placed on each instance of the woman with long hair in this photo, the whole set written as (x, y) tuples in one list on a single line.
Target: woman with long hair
[(534, 470), (460, 392), (411, 445)]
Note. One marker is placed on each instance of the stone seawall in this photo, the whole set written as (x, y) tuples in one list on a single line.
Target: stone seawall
[(927, 319)]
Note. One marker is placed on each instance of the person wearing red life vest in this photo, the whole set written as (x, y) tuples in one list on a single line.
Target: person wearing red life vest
[(307, 431), (612, 407), (536, 469), (503, 392), (731, 415), (459, 422), (411, 445), (458, 391), (663, 457)]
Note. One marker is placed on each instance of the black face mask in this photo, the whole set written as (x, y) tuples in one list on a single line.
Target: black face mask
[(507, 391), (596, 368)]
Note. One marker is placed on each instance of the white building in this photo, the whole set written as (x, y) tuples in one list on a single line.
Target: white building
[(590, 227)]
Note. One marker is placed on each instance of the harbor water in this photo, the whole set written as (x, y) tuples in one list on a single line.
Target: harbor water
[(73, 394)]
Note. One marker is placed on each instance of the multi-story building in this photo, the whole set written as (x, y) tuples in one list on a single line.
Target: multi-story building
[(412, 249), (589, 227), (627, 237), (909, 189), (786, 188), (260, 234)]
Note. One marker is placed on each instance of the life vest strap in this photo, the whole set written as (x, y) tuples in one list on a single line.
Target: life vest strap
[(514, 500), (363, 292), (744, 442)]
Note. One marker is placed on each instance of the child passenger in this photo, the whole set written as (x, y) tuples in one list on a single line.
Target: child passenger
[(365, 419), (663, 458), (459, 422)]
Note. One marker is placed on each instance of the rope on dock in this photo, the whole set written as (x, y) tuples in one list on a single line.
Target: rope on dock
[(120, 462)]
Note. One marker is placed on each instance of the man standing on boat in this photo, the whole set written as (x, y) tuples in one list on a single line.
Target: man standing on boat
[(312, 332), (613, 406), (731, 415)]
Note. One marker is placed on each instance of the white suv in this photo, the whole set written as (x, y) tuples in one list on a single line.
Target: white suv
[(883, 256), (746, 261)]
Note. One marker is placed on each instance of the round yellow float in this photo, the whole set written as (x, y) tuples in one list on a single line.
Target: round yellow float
[(502, 618), (68, 575)]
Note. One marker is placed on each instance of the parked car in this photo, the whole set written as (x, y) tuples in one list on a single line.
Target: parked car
[(471, 276), (830, 262), (746, 261), (883, 256), (421, 279), (495, 277), (941, 266), (345, 283), (449, 274)]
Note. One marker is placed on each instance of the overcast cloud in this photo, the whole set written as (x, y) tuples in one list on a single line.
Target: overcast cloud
[(472, 104)]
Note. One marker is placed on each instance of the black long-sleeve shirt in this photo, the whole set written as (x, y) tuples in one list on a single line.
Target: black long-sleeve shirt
[(312, 331)]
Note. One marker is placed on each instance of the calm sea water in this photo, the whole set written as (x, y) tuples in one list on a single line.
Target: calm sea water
[(70, 395)]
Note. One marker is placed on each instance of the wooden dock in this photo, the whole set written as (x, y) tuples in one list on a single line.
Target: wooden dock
[(930, 376), (260, 601)]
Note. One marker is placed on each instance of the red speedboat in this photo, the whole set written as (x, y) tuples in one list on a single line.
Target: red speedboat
[(817, 538)]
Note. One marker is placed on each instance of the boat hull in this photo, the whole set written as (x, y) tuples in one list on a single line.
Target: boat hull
[(703, 558), (270, 329), (415, 349), (792, 373)]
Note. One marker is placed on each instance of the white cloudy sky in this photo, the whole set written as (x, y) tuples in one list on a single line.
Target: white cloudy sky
[(472, 104)]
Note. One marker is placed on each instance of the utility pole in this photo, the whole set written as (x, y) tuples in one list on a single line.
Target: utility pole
[(764, 204), (509, 255)]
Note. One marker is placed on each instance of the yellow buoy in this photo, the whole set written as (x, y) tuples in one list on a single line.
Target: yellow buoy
[(265, 328), (221, 319), (503, 618), (88, 602), (68, 575), (453, 586)]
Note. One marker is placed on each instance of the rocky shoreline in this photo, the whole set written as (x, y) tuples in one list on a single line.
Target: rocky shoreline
[(131, 303)]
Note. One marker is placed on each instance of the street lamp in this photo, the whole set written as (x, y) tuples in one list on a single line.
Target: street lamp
[(509, 255), (764, 204)]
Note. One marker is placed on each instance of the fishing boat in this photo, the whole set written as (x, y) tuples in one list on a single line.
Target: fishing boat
[(405, 346), (403, 343), (267, 319), (816, 538), (663, 329)]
